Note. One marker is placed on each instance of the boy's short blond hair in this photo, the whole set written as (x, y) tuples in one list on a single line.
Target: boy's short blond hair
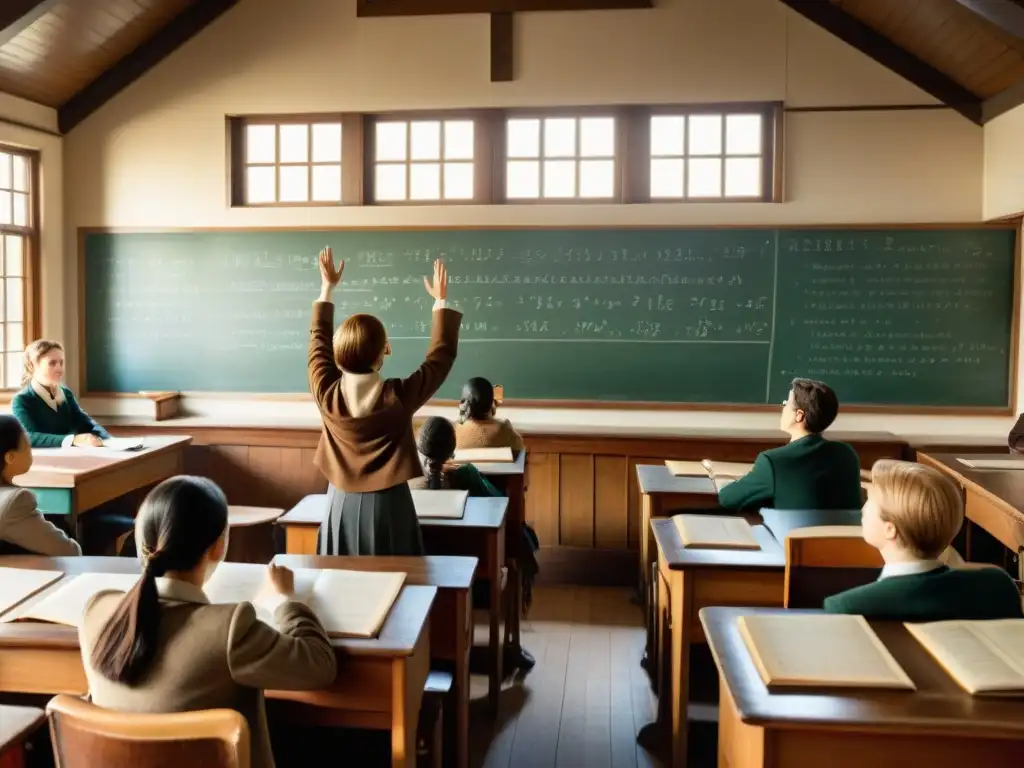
[(924, 505)]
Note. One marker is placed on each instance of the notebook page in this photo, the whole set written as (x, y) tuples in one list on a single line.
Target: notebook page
[(66, 604), (733, 469), (686, 468), (967, 656), (16, 584), (715, 532), (820, 651), (446, 504), (1007, 638), (993, 463), (355, 603), (484, 456), (247, 582)]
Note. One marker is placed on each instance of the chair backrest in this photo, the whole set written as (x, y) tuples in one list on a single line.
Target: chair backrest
[(824, 560), (86, 736), (781, 521)]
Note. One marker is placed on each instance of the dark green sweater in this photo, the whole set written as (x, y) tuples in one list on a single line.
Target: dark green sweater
[(944, 594), (809, 473), (468, 478), (47, 427)]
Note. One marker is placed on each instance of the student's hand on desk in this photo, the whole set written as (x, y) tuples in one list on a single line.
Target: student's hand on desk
[(280, 581), (87, 439), (330, 275), (439, 288)]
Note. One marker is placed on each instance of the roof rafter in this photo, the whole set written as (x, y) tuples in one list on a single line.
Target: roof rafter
[(18, 15), (1006, 15)]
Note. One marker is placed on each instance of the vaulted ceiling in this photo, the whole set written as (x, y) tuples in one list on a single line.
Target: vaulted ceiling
[(77, 54)]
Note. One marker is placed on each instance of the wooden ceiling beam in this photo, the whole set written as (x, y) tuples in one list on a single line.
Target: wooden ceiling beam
[(369, 8), (1003, 102), (1006, 15), (18, 15), (176, 33), (856, 33)]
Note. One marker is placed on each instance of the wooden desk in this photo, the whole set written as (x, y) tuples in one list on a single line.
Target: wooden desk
[(939, 725), (451, 618), (72, 481), (993, 499), (689, 580), (380, 685), (480, 533), (16, 725)]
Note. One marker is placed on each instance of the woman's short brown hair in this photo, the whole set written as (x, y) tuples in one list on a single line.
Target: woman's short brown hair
[(35, 352), (359, 343), (923, 504)]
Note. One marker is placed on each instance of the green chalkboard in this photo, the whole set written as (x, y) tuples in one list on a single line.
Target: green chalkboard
[(907, 317)]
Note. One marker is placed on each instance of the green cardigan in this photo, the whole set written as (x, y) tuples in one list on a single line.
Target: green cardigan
[(809, 473), (468, 478), (47, 427), (944, 594)]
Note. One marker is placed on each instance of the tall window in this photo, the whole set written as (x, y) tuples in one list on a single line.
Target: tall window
[(423, 160), (707, 156), (16, 238), (561, 158)]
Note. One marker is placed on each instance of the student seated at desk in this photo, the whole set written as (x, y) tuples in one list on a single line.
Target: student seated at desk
[(911, 516), (809, 472), (436, 444), (48, 410), (162, 647), (367, 450), (478, 427), (23, 529)]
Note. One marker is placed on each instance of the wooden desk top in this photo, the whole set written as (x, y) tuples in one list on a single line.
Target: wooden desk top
[(16, 723), (516, 467), (480, 513), (770, 556), (397, 637), (656, 478), (441, 571), (938, 706), (67, 467), (1005, 487)]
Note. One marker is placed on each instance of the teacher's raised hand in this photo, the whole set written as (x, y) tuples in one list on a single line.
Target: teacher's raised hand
[(330, 275), (439, 288)]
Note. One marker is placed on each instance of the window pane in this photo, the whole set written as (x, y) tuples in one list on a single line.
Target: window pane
[(294, 143), (425, 181), (667, 135), (327, 143), (425, 140), (458, 181), (458, 140), (5, 208), (14, 247), (15, 337), (21, 173), (13, 367), (523, 138), (260, 186), (743, 177), (5, 170), (597, 137), (20, 209), (743, 135), (294, 181), (13, 308), (327, 183), (705, 177), (560, 178), (523, 179), (560, 137), (597, 178), (390, 181), (667, 177), (391, 143), (705, 135), (260, 143)]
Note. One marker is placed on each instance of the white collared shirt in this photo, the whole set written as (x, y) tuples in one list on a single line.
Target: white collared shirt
[(908, 569)]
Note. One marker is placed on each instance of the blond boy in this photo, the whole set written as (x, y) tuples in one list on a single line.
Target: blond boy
[(911, 516)]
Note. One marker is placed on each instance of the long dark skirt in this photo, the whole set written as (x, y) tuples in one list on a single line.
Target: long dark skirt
[(374, 523)]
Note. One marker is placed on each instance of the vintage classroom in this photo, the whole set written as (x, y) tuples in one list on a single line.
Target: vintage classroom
[(905, 119)]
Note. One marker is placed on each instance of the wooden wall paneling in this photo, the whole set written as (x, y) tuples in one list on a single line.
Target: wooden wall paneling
[(226, 465), (576, 500), (633, 520), (542, 498), (611, 502)]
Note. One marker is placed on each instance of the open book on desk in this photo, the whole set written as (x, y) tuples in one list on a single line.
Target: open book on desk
[(984, 657), (820, 651), (483, 456), (440, 504), (66, 603), (19, 584), (715, 532), (721, 473), (994, 462)]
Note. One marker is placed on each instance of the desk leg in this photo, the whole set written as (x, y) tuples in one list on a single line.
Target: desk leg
[(496, 556), (646, 544), (677, 693), (408, 676), (463, 643)]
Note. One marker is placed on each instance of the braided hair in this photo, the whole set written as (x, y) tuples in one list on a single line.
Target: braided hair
[(436, 443), (477, 401)]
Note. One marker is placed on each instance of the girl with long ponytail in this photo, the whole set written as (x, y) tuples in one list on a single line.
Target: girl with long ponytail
[(436, 445)]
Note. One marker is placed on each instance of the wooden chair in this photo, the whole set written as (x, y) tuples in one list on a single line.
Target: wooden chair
[(87, 736), (824, 560), (252, 534)]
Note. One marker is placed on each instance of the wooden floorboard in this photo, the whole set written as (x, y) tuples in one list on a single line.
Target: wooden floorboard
[(587, 697)]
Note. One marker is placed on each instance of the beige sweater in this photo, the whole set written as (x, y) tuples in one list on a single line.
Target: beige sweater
[(489, 433)]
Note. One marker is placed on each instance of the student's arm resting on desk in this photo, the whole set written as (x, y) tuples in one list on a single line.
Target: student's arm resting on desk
[(22, 524), (755, 487), (298, 657), (468, 478), (83, 422), (36, 439)]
